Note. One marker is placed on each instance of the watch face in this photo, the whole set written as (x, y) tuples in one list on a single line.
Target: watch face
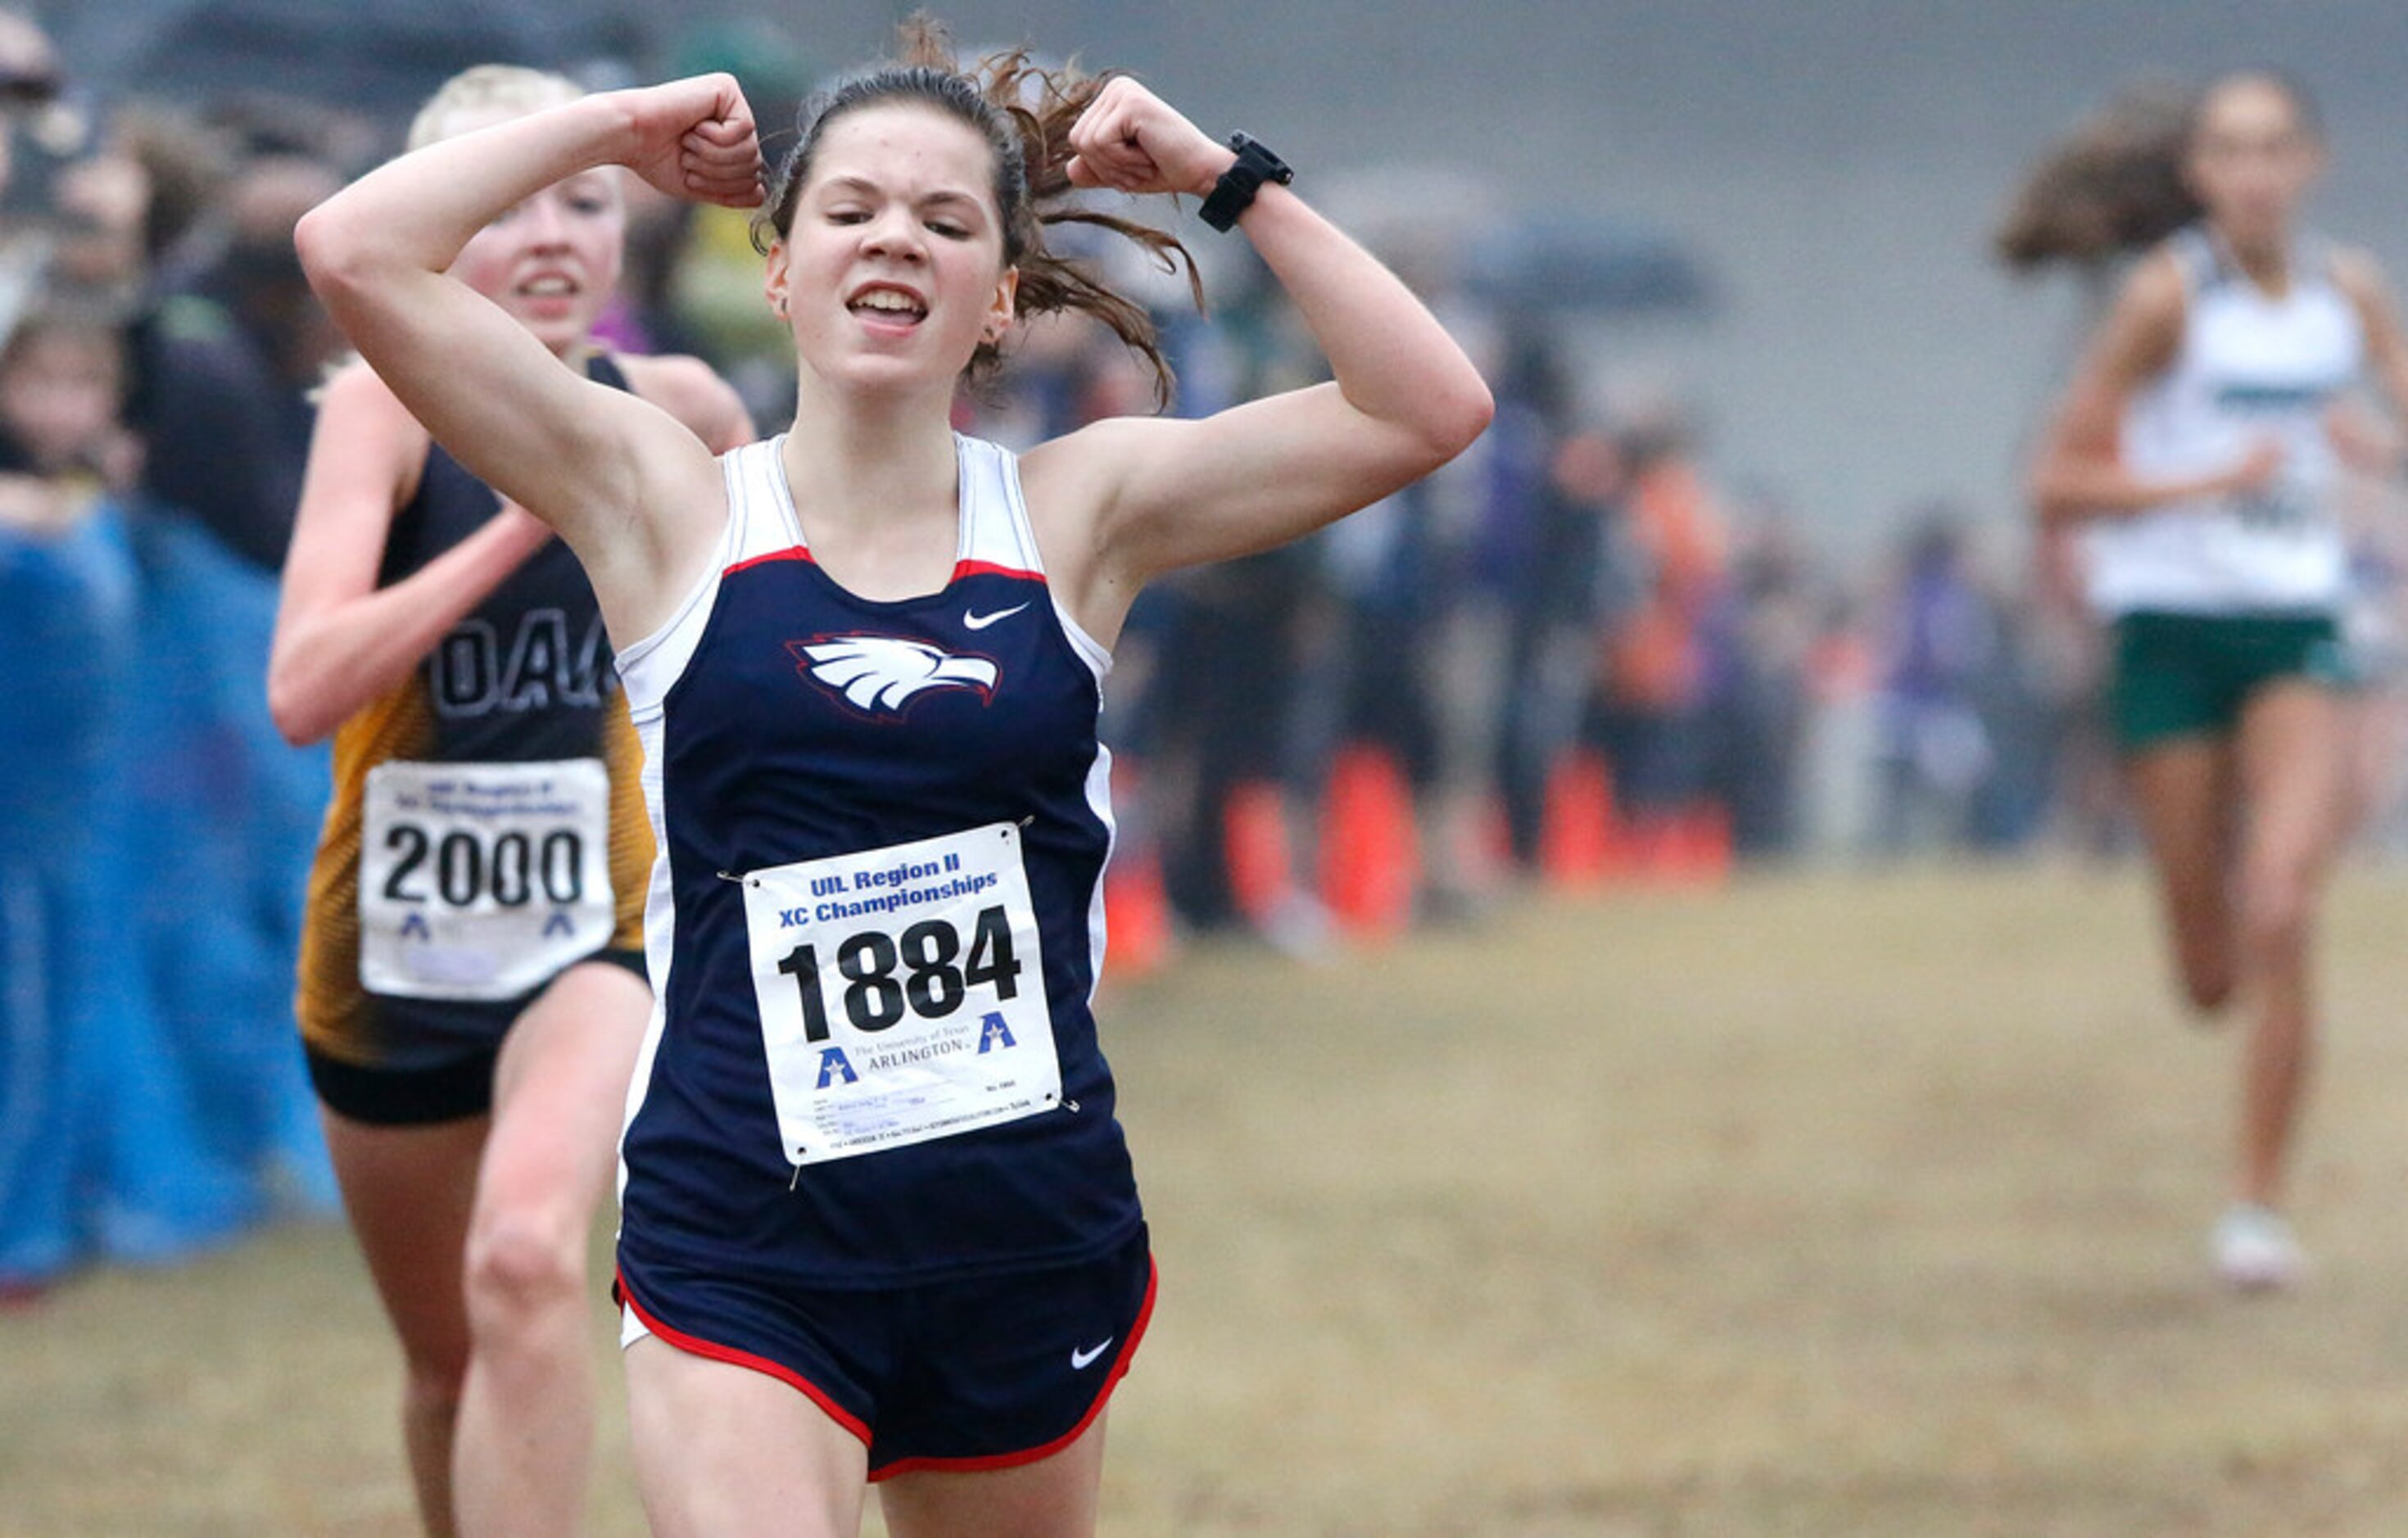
[(1269, 165)]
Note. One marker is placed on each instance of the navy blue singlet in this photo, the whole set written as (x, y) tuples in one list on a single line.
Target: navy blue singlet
[(875, 913), (403, 965)]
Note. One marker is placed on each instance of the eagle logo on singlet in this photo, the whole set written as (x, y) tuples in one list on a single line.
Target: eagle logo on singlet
[(883, 674)]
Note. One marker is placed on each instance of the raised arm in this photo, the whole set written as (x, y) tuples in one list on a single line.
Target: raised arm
[(2079, 472), (1167, 494), (606, 469)]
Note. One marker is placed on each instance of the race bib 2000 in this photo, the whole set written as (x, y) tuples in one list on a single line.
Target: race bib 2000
[(482, 881)]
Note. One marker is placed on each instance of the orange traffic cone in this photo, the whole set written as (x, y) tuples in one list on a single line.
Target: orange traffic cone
[(1578, 829), (1255, 844), (1137, 917), (1370, 857), (1137, 930)]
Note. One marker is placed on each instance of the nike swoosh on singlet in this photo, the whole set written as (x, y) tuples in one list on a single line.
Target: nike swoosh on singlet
[(977, 621), (1081, 1359)]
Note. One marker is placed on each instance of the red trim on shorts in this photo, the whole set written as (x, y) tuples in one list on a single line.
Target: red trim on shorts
[(988, 569), (792, 552), (696, 1347), (1036, 1455)]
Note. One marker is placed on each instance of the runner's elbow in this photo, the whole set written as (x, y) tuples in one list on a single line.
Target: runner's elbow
[(1455, 418), (335, 257), (317, 238), (298, 717), (2049, 495)]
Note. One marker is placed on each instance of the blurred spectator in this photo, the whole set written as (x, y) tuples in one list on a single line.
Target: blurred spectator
[(225, 348), (1838, 749), (63, 376), (100, 1144), (29, 82), (67, 598), (1465, 658), (229, 349), (1674, 552), (1565, 488), (1759, 635), (1940, 639), (2377, 631), (1228, 680), (150, 1096)]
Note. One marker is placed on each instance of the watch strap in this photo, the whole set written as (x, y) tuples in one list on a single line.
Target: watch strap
[(1234, 194)]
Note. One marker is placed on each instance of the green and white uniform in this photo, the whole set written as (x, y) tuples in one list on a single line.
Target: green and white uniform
[(2213, 597)]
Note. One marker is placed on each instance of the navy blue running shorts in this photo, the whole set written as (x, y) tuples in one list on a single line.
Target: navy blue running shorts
[(961, 1375)]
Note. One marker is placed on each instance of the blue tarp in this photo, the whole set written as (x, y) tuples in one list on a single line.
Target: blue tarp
[(154, 837)]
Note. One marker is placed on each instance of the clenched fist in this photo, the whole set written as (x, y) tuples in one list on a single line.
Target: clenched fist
[(1131, 140)]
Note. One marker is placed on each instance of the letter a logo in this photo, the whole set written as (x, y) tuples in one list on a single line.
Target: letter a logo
[(994, 1033), (558, 924), (415, 924), (832, 1063)]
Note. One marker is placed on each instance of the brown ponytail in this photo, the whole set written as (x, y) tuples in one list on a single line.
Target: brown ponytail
[(2114, 184)]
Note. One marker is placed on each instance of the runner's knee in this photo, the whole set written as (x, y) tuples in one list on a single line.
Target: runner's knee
[(520, 1265), (2207, 983), (2203, 955), (2275, 910)]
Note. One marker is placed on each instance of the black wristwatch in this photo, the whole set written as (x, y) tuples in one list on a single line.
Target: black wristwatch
[(1235, 191)]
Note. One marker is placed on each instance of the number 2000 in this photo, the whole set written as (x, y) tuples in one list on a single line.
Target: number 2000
[(512, 868)]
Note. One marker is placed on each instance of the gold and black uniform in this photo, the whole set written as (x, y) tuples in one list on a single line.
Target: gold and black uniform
[(487, 831)]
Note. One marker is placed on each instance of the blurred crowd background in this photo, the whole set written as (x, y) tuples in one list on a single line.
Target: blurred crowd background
[(1605, 647)]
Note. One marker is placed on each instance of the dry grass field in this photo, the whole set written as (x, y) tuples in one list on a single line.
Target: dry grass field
[(1828, 1205)]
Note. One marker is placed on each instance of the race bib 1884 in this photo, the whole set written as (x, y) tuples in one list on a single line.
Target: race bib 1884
[(482, 881), (902, 994)]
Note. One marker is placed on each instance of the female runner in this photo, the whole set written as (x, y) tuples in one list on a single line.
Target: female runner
[(877, 1220), (2199, 451), (471, 996)]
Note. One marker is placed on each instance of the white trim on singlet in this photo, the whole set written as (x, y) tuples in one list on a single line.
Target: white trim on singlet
[(991, 535), (762, 477), (1099, 801)]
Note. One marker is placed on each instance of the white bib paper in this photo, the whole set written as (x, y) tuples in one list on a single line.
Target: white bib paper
[(902, 994), (482, 881)]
